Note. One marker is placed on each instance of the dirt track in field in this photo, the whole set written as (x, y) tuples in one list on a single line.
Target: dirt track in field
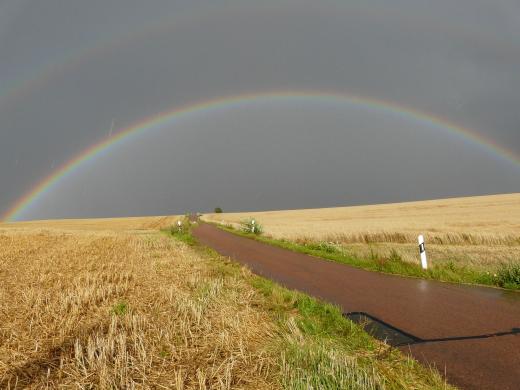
[(469, 333)]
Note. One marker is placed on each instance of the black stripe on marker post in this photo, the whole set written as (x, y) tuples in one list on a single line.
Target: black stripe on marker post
[(421, 248)]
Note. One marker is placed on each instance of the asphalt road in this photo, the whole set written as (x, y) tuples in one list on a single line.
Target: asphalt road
[(471, 334)]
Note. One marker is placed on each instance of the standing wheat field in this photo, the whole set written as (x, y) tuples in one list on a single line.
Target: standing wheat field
[(481, 232), (119, 304)]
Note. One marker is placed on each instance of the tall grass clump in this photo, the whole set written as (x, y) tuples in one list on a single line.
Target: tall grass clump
[(326, 247), (508, 275), (251, 226), (325, 368)]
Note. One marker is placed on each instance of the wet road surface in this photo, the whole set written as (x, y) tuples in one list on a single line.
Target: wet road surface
[(471, 334)]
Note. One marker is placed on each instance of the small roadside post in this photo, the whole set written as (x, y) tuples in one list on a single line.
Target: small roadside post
[(252, 226), (179, 225), (422, 251)]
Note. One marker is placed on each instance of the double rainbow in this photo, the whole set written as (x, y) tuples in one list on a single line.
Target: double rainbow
[(168, 118)]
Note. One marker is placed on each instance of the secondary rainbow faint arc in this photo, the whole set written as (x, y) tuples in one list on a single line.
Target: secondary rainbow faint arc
[(235, 101)]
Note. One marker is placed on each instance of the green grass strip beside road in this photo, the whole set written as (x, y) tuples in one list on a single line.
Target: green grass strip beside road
[(508, 276), (315, 345)]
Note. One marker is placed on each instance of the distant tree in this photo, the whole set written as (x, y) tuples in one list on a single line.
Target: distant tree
[(218, 210)]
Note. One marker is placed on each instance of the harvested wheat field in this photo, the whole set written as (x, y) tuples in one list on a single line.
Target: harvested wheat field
[(92, 304), (134, 224), (479, 231), (113, 309)]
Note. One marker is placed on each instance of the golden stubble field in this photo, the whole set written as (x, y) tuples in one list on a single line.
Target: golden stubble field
[(129, 224), (479, 231), (116, 304)]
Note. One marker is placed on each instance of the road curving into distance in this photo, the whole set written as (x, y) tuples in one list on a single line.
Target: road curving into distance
[(470, 333)]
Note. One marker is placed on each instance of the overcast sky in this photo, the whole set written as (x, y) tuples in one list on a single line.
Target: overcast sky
[(69, 69)]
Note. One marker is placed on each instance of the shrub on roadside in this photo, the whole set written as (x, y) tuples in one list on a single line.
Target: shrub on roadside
[(182, 231), (251, 226), (181, 227)]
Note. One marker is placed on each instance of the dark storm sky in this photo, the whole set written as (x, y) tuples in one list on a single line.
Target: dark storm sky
[(68, 69)]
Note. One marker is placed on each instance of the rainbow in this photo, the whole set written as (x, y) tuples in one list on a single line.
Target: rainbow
[(169, 118)]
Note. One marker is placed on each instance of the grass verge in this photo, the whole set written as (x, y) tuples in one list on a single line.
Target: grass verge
[(507, 276), (315, 346)]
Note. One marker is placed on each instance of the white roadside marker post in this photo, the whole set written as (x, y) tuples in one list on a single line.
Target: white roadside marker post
[(253, 226), (179, 224), (422, 251)]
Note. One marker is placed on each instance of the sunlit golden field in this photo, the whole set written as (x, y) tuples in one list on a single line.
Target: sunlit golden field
[(115, 310), (118, 304), (479, 231), (96, 224)]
